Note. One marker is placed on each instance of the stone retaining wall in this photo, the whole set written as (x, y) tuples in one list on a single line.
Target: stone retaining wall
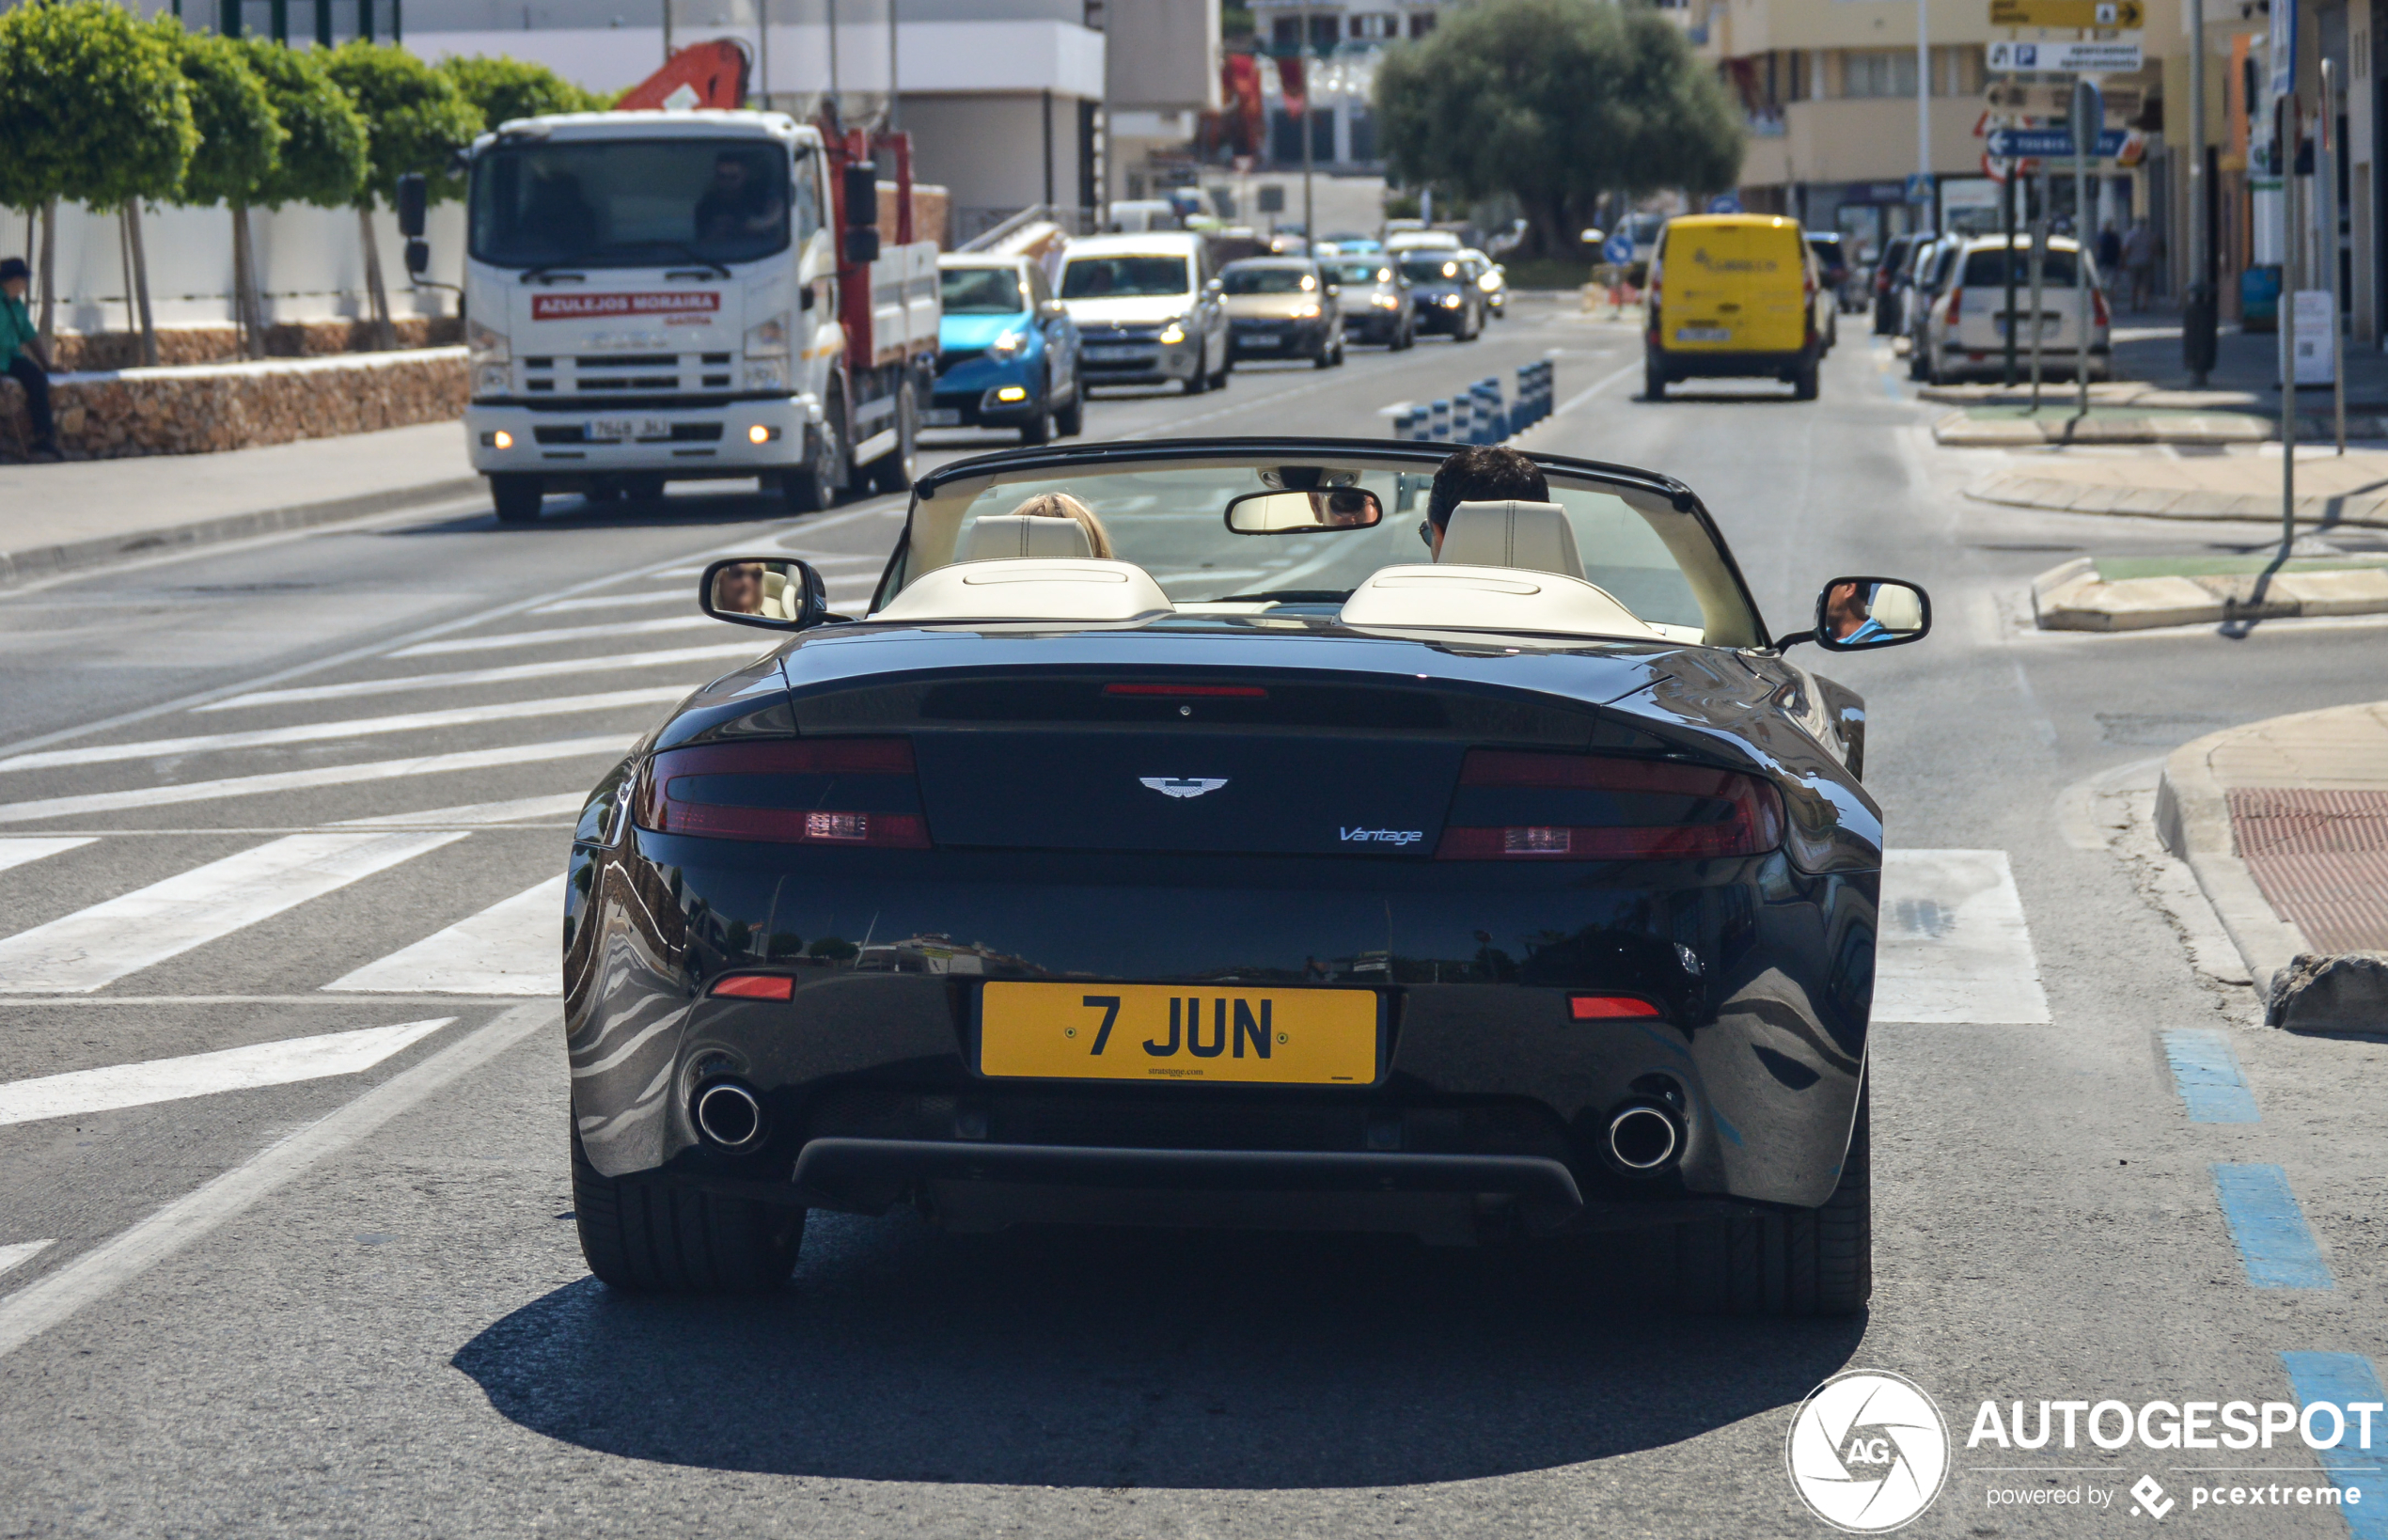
[(202, 409), (77, 352)]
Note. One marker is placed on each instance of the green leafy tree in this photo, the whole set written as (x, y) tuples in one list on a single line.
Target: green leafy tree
[(500, 89), (415, 120), (1556, 103), (322, 160), (93, 108), (241, 140)]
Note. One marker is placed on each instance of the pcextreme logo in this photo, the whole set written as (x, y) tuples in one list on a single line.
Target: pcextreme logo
[(1867, 1452)]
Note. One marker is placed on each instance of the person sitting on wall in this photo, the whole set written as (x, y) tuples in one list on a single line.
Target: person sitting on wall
[(22, 358)]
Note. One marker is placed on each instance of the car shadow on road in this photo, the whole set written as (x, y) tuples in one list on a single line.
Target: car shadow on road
[(691, 509), (1081, 1357)]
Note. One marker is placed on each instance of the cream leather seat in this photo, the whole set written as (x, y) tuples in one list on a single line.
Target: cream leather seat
[(1897, 609), (1536, 536), (1001, 537)]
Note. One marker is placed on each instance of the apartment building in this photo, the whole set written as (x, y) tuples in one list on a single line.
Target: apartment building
[(1346, 39)]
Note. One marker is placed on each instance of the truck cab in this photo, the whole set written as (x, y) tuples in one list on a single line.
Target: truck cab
[(653, 296)]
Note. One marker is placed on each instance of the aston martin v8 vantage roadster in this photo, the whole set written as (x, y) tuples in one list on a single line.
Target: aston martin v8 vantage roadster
[(1194, 833)]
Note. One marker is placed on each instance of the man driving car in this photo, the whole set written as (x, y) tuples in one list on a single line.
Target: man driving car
[(1481, 473)]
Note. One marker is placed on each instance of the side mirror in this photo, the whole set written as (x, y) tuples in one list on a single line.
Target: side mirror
[(862, 194), (419, 258), (1860, 614), (1334, 290), (862, 245), (774, 593), (414, 198), (1304, 512)]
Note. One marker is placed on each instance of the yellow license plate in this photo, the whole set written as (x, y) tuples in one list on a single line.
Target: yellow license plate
[(1157, 1032)]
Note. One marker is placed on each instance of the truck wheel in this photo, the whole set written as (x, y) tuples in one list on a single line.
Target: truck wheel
[(516, 498), (660, 1237), (896, 470), (1069, 421), (1801, 1262), (813, 486)]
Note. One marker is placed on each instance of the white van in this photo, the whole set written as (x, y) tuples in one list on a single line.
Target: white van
[(1148, 309), (1965, 331)]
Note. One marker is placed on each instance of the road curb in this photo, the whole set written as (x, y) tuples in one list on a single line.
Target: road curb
[(2062, 496), (2072, 597), (74, 555)]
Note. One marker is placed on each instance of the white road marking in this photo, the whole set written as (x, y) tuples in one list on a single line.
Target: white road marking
[(1954, 946), (521, 810), (505, 675), (280, 1064), (22, 1252), (330, 775), (17, 852), (553, 633), (559, 705), (115, 1263), (511, 947), (612, 600), (92, 947)]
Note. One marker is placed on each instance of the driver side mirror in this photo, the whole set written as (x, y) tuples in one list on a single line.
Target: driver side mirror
[(1860, 614), (772, 592)]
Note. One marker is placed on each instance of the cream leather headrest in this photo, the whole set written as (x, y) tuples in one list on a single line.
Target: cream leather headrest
[(997, 537), (1536, 536), (1898, 609)]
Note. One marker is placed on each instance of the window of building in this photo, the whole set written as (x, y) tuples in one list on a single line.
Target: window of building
[(1285, 33), (1421, 22), (1878, 71), (1374, 26)]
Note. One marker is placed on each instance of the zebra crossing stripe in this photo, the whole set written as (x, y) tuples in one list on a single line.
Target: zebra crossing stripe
[(280, 1063), (506, 674), (521, 810), (329, 775), (1954, 944), (553, 633), (93, 948), (18, 851), (559, 705), (511, 947)]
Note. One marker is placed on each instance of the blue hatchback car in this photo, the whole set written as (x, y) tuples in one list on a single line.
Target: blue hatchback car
[(1007, 351)]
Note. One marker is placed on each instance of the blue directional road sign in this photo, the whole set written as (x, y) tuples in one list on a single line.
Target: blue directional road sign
[(2050, 144), (1725, 203), (1618, 248)]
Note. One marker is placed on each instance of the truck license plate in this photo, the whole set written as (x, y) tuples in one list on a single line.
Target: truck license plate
[(615, 430)]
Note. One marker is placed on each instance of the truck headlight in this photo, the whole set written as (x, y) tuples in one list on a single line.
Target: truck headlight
[(766, 374), (1009, 343), (768, 341), (1173, 334), (483, 345), (493, 379)]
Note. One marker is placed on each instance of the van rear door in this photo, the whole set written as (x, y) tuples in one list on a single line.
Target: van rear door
[(1735, 286)]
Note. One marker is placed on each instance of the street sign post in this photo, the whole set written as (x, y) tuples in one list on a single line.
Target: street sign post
[(2119, 15), (2086, 122), (2068, 58), (2051, 144)]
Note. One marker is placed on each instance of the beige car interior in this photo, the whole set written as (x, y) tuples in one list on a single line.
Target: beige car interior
[(1007, 536), (1897, 609)]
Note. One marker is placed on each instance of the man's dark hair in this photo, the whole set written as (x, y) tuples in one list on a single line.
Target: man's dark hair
[(14, 267), (1484, 473)]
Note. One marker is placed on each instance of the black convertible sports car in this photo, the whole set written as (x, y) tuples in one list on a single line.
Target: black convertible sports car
[(1198, 852)]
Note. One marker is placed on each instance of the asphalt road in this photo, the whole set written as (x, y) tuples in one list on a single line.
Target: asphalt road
[(343, 1297)]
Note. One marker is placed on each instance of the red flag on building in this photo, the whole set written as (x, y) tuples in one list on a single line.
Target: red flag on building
[(1289, 75)]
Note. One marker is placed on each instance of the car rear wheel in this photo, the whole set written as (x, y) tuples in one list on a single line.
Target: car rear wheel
[(516, 498), (661, 1237), (1801, 1262)]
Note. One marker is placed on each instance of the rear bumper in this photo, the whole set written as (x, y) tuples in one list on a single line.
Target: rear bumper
[(1683, 364)]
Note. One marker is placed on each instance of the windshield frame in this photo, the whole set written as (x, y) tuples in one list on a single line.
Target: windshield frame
[(689, 253), (1629, 483)]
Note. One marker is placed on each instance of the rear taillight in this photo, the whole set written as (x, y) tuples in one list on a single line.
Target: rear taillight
[(822, 790), (1589, 1007), (2098, 308), (755, 987), (1531, 807)]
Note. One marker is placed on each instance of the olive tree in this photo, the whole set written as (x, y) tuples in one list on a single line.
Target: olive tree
[(500, 89), (1556, 103), (93, 108), (415, 120), (240, 138)]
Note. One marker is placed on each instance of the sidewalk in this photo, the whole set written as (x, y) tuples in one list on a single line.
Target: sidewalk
[(2284, 823), (85, 513), (2239, 483)]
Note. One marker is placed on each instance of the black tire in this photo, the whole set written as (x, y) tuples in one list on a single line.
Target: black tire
[(1803, 379), (1325, 357), (813, 486), (1200, 380), (896, 470), (655, 1237), (1069, 418), (516, 498), (1654, 379), (1801, 1262), (1469, 327)]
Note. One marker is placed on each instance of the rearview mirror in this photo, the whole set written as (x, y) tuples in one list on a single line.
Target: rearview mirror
[(773, 592), (1859, 614), (414, 196), (1304, 512)]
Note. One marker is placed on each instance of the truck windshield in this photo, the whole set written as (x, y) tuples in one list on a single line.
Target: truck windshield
[(633, 202), (1126, 278)]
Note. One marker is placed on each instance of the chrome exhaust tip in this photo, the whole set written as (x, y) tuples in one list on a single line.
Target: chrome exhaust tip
[(728, 1114), (1644, 1141)]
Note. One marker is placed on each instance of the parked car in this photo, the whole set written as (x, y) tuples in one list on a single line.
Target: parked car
[(1377, 302), (1443, 293), (1007, 351), (1148, 310), (1888, 274), (1934, 263), (1493, 279), (1833, 254), (1966, 332), (1732, 295), (1282, 307)]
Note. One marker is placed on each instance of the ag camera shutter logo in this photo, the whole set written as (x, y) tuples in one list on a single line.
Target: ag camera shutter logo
[(1867, 1451)]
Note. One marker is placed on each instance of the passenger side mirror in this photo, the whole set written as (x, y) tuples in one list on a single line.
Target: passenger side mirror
[(862, 194), (1304, 512), (414, 198), (1860, 614), (419, 258), (773, 592)]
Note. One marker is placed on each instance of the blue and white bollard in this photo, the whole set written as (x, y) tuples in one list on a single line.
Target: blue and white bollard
[(1438, 420), (1405, 423)]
